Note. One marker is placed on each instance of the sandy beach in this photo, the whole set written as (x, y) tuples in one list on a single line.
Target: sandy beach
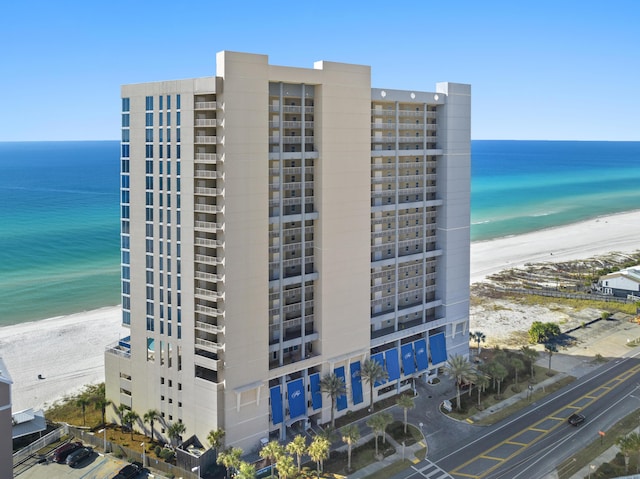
[(68, 351)]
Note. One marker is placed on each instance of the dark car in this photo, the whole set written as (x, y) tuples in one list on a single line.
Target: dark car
[(576, 419), (127, 472), (78, 455), (61, 453)]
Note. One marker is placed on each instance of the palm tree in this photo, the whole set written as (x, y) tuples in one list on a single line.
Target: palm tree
[(350, 435), (481, 381), (376, 423), (517, 366), (286, 467), (175, 431), (634, 437), (83, 401), (459, 369), (272, 451), (500, 372), (319, 451), (626, 447), (530, 355), (298, 447), (406, 402), (122, 410), (477, 337), (216, 439), (101, 403), (372, 372), (245, 471), (332, 385), (129, 418), (150, 417), (230, 458), (550, 348)]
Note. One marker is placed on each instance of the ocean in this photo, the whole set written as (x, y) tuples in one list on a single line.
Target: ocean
[(59, 210)]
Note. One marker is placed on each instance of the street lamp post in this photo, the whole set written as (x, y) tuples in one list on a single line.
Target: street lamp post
[(143, 455), (592, 467), (194, 469)]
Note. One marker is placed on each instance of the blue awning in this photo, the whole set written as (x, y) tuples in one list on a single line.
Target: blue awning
[(297, 402), (356, 383), (378, 358), (316, 395), (393, 366), (276, 405), (408, 363), (438, 348), (422, 359), (341, 401)]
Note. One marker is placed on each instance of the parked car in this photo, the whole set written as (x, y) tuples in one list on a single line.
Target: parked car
[(61, 453), (128, 472), (576, 419), (78, 455)]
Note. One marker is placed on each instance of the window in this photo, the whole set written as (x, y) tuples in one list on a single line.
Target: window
[(168, 102), (149, 119), (126, 103), (178, 102), (125, 120), (149, 103)]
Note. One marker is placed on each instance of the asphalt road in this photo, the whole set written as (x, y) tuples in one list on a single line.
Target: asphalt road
[(532, 444)]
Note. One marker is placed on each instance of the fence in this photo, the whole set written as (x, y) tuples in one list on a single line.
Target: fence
[(98, 440), (24, 453), (560, 294)]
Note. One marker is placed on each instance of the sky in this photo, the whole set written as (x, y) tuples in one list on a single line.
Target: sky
[(543, 70)]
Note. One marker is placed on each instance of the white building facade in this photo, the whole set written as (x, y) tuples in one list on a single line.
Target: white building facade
[(280, 224)]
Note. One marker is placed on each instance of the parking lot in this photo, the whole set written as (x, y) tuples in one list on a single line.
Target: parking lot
[(95, 466)]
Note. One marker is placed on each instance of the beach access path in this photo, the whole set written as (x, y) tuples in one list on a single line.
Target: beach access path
[(68, 352)]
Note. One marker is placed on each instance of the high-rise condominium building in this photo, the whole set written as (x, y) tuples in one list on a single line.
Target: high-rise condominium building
[(280, 224)]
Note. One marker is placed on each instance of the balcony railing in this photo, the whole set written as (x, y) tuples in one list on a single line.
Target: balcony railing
[(201, 190), (201, 258), (207, 158), (205, 122), (209, 345), (210, 328), (204, 105), (207, 174), (205, 140), (287, 140), (208, 310), (201, 275), (209, 243), (207, 226), (200, 208), (208, 294)]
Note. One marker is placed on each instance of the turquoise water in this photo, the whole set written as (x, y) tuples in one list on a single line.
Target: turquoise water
[(523, 186), (59, 228), (59, 210)]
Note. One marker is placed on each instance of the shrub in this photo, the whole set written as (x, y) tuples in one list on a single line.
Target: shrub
[(540, 332), (157, 450)]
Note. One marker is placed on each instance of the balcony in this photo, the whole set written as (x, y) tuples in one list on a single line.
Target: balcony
[(383, 112), (207, 226), (205, 122), (208, 294), (200, 190), (205, 140), (209, 345), (209, 243), (204, 105), (201, 208), (207, 158), (209, 328), (208, 310), (207, 174), (204, 259), (290, 124), (288, 140)]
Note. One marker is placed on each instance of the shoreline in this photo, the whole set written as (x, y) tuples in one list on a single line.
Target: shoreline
[(68, 351)]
